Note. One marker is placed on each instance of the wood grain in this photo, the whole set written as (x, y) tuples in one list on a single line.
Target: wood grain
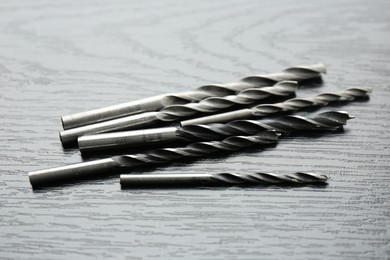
[(62, 57)]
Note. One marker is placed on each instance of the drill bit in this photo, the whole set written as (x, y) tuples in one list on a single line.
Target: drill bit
[(286, 124), (207, 105), (126, 162), (287, 106), (145, 119), (137, 181), (299, 73), (244, 97)]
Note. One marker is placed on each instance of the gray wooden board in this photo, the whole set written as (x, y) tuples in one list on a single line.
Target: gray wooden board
[(62, 57)]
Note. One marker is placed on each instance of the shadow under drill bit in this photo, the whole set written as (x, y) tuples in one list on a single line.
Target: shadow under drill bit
[(312, 83)]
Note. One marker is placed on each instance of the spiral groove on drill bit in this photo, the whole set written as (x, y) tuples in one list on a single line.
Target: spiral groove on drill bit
[(156, 103), (219, 179), (324, 121), (292, 123), (125, 162), (322, 99), (214, 104), (176, 112), (298, 73), (268, 178), (199, 149), (286, 106)]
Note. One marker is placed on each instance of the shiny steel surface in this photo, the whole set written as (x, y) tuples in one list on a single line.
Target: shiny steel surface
[(139, 181), (131, 122), (287, 106), (298, 73), (80, 170), (326, 120), (98, 142), (150, 118), (174, 112), (214, 104)]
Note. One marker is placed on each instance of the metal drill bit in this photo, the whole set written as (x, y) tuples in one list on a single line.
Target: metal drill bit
[(207, 105), (299, 73), (244, 97), (147, 119), (137, 181), (126, 162), (292, 123), (286, 106)]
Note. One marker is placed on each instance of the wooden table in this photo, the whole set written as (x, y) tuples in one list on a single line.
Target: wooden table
[(62, 57)]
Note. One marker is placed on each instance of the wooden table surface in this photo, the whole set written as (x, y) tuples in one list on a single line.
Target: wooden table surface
[(62, 57)]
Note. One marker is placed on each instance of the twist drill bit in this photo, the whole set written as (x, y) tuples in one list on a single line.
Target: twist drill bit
[(207, 105), (244, 97), (287, 106), (299, 73), (256, 111), (126, 162), (292, 123), (145, 119), (219, 179)]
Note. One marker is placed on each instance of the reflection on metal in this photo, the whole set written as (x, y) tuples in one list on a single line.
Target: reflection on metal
[(292, 123), (137, 181), (112, 164), (298, 73)]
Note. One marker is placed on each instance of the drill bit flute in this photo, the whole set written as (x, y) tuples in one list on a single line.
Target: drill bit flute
[(292, 123), (155, 103), (291, 105), (207, 105), (127, 162), (157, 135), (145, 119), (137, 181)]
